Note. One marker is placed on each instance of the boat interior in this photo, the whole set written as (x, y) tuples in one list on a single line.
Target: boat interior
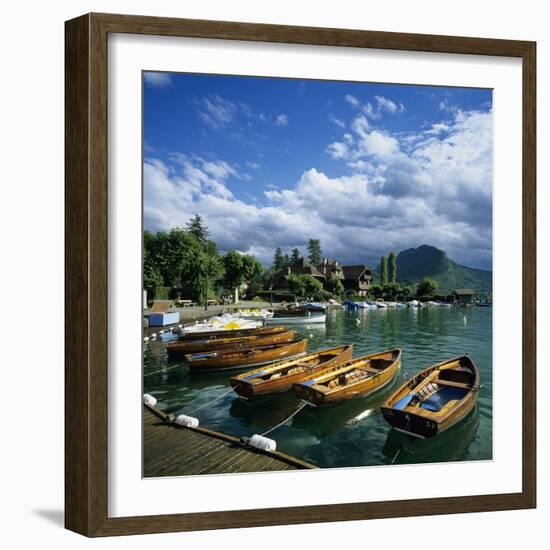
[(357, 371), (292, 367), (441, 389)]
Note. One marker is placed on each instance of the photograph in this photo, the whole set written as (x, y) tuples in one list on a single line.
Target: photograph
[(317, 274)]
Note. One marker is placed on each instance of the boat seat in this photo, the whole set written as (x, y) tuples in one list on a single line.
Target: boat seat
[(427, 390), (370, 370), (450, 383), (441, 397)]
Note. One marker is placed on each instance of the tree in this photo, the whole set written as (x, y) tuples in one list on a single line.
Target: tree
[(296, 285), (196, 227), (207, 270), (383, 271), (306, 286), (392, 268), (335, 287), (239, 269), (278, 259), (314, 249), (152, 279), (426, 287), (286, 261), (295, 256)]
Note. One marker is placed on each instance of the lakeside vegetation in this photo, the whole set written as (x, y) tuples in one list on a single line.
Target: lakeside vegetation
[(184, 262)]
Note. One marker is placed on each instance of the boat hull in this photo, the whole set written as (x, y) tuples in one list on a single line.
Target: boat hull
[(180, 348), (213, 334), (252, 384), (318, 393), (236, 359), (459, 375), (297, 320)]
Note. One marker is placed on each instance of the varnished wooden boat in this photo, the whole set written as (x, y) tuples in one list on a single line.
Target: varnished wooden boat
[(183, 347), (280, 376), (246, 357), (214, 334), (435, 399), (355, 378)]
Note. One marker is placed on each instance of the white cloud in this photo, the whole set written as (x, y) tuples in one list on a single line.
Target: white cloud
[(217, 112), (352, 100), (338, 150), (337, 121), (157, 80), (282, 120), (385, 104), (435, 190)]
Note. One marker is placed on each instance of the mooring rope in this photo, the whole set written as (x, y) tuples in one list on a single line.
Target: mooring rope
[(304, 404), (160, 370), (213, 400), (396, 455)]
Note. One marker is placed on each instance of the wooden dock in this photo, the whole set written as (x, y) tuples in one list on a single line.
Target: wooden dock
[(172, 450)]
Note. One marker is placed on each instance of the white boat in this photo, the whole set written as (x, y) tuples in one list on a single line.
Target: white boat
[(381, 304), (414, 303), (222, 322), (297, 320), (391, 304)]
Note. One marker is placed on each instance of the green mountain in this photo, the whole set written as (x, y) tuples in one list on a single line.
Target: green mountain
[(414, 264)]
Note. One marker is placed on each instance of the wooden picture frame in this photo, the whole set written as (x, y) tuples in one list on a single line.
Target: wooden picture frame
[(86, 375)]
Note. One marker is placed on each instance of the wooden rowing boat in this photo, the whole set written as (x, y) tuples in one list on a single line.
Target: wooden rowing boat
[(184, 347), (435, 399), (246, 357), (214, 334), (280, 376), (355, 378)]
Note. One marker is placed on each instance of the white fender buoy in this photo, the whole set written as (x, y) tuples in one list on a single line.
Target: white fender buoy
[(146, 339), (153, 336), (180, 326), (161, 332), (149, 400), (264, 443), (187, 421)]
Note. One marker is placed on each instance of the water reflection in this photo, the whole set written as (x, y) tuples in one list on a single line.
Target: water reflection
[(352, 433)]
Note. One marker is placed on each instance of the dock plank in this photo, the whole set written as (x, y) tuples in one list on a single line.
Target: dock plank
[(170, 450)]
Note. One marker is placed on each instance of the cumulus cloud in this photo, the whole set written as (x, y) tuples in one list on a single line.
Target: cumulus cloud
[(375, 111), (157, 80), (399, 193), (281, 120), (337, 121), (352, 100), (217, 112)]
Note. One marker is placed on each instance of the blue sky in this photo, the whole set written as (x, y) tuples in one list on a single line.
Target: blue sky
[(366, 168)]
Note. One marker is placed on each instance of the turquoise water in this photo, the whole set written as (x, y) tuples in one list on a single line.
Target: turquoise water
[(352, 433)]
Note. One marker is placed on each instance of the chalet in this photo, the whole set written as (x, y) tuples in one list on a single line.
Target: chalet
[(357, 278), (301, 267), (331, 269), (463, 295)]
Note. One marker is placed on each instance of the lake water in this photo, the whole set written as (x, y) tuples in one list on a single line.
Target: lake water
[(352, 433)]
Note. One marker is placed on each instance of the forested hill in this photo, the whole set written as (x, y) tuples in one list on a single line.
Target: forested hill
[(414, 264)]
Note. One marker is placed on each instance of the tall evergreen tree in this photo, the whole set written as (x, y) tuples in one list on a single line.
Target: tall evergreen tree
[(295, 256), (314, 249), (392, 268), (196, 227), (383, 271), (278, 259)]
